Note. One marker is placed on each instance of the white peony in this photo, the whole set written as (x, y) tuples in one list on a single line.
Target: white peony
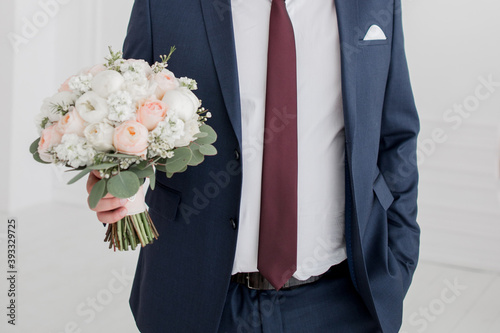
[(75, 151), (91, 107), (182, 102), (100, 136), (63, 100), (107, 82), (52, 108)]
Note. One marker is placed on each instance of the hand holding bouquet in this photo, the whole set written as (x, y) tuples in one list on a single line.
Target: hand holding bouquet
[(124, 119)]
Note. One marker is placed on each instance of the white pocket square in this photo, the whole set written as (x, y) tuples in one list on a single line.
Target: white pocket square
[(375, 33)]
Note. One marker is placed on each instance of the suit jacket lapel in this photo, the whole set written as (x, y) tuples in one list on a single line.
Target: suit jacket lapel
[(219, 26), (347, 17)]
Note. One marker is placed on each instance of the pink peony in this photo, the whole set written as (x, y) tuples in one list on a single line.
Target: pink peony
[(131, 138), (71, 123), (65, 85), (50, 137), (165, 81), (94, 70), (151, 112)]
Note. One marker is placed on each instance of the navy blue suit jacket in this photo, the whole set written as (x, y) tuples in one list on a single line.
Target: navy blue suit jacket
[(182, 279)]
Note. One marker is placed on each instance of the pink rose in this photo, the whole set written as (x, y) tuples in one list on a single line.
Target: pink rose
[(65, 85), (71, 123), (131, 138), (165, 81), (151, 112), (50, 137)]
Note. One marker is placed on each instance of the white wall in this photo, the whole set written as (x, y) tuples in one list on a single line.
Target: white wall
[(56, 38), (450, 44)]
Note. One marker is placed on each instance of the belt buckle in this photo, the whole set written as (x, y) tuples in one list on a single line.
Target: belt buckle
[(249, 286)]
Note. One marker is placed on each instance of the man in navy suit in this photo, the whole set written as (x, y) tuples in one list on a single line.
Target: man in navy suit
[(357, 127)]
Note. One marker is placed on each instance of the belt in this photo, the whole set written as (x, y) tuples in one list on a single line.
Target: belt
[(256, 281)]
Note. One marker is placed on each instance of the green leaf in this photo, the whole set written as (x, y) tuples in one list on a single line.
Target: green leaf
[(208, 150), (103, 166), (161, 167), (152, 181), (201, 135), (79, 176), (120, 155), (97, 193), (75, 169), (34, 146), (142, 173), (197, 157), (141, 165), (181, 158), (124, 185), (37, 158), (210, 138), (170, 174)]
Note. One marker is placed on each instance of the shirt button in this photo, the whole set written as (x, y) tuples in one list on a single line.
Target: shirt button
[(233, 223), (237, 154)]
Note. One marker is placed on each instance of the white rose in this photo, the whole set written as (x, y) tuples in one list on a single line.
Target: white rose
[(100, 136), (182, 102), (91, 107), (107, 82)]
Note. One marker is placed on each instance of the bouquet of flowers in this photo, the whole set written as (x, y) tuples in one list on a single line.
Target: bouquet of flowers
[(124, 119)]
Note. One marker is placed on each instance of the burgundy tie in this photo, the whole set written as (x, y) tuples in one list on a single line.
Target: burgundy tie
[(277, 259)]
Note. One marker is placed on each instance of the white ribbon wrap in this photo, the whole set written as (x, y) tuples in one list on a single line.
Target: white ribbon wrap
[(136, 203)]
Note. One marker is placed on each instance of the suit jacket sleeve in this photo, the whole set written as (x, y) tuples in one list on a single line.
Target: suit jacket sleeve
[(397, 156), (139, 42)]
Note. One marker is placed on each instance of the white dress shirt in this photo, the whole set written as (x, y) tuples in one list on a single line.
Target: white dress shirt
[(321, 142)]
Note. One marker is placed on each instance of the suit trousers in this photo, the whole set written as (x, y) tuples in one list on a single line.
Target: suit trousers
[(328, 305)]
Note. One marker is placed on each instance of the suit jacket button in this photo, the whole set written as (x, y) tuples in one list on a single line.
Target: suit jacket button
[(233, 223), (237, 154)]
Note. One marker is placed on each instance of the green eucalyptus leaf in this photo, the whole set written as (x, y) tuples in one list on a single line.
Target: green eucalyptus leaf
[(210, 138), (197, 157), (201, 135), (80, 175), (98, 192), (124, 185), (34, 146), (37, 158), (143, 173), (152, 181), (141, 165), (181, 158), (208, 150), (161, 167), (120, 155)]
